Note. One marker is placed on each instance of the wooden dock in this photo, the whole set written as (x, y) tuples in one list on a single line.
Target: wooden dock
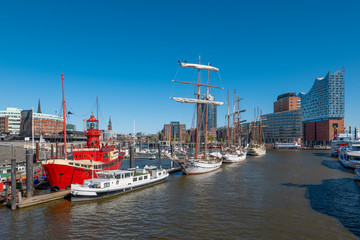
[(27, 202)]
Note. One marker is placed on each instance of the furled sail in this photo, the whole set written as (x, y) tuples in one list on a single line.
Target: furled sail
[(189, 100), (198, 66)]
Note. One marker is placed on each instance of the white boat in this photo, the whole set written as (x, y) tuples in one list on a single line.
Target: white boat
[(340, 141), (349, 156), (293, 145), (152, 157), (114, 182), (196, 164), (199, 166), (234, 158), (256, 150)]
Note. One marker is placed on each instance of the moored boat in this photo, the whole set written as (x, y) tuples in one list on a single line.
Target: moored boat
[(109, 183), (197, 164), (293, 145), (256, 150), (340, 141), (234, 158), (349, 155)]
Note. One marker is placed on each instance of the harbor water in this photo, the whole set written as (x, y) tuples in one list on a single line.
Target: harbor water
[(298, 194)]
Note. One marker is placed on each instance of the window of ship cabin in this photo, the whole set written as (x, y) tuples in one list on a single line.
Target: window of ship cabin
[(145, 177), (83, 165), (127, 175), (354, 158), (134, 179), (106, 184), (140, 178), (76, 164), (71, 163), (117, 176)]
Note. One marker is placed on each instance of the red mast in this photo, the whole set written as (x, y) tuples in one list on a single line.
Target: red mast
[(64, 115)]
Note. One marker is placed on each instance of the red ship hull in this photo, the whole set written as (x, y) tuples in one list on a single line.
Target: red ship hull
[(61, 176)]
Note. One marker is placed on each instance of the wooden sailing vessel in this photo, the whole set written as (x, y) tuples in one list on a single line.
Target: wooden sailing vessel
[(234, 154), (257, 146), (206, 163)]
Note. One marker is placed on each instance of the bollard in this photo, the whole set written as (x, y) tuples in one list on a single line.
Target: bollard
[(57, 150), (172, 155), (29, 175), (37, 152), (52, 151), (13, 184), (132, 162), (159, 151)]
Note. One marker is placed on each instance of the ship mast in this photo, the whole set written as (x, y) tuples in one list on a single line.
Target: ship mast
[(234, 118), (64, 116), (197, 114), (206, 113), (228, 117), (97, 111)]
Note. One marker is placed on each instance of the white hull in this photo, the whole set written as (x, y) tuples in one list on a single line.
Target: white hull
[(233, 158), (348, 163), (106, 187), (256, 152), (200, 166)]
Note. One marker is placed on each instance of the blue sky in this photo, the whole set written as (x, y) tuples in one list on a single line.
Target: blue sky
[(126, 52)]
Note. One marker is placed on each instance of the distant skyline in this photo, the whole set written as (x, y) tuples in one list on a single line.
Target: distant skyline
[(127, 53)]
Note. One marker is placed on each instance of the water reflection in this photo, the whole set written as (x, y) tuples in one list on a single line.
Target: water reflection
[(334, 164)]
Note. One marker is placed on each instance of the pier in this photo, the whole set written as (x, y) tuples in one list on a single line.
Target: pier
[(28, 202)]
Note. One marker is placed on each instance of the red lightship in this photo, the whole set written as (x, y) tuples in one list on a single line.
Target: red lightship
[(86, 161)]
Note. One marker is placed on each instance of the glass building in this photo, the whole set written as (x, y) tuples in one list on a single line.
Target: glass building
[(212, 115), (326, 98), (283, 126)]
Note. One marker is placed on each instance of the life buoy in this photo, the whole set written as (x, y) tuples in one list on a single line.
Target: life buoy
[(117, 182)]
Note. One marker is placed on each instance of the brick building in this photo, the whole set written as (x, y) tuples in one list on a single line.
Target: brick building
[(4, 125), (174, 131), (287, 102)]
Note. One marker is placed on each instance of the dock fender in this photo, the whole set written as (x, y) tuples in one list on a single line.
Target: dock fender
[(56, 189), (67, 187)]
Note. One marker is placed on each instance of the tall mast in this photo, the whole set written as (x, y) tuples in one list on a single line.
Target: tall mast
[(64, 116), (197, 114), (228, 115), (238, 122), (234, 118), (206, 113), (97, 111)]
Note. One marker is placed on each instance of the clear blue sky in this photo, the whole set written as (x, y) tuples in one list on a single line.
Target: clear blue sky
[(126, 52)]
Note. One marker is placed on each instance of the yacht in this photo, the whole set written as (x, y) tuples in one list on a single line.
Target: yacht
[(349, 156)]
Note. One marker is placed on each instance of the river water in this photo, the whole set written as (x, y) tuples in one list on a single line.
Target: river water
[(283, 195)]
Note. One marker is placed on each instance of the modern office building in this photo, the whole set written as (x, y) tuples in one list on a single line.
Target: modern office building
[(13, 120), (285, 126), (324, 109), (174, 131)]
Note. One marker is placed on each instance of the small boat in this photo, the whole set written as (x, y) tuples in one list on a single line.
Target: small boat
[(233, 158), (340, 141), (199, 166), (152, 157), (349, 156), (114, 182), (257, 150)]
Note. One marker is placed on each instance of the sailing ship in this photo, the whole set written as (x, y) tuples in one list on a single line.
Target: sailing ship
[(257, 147), (234, 154), (87, 160), (206, 163)]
